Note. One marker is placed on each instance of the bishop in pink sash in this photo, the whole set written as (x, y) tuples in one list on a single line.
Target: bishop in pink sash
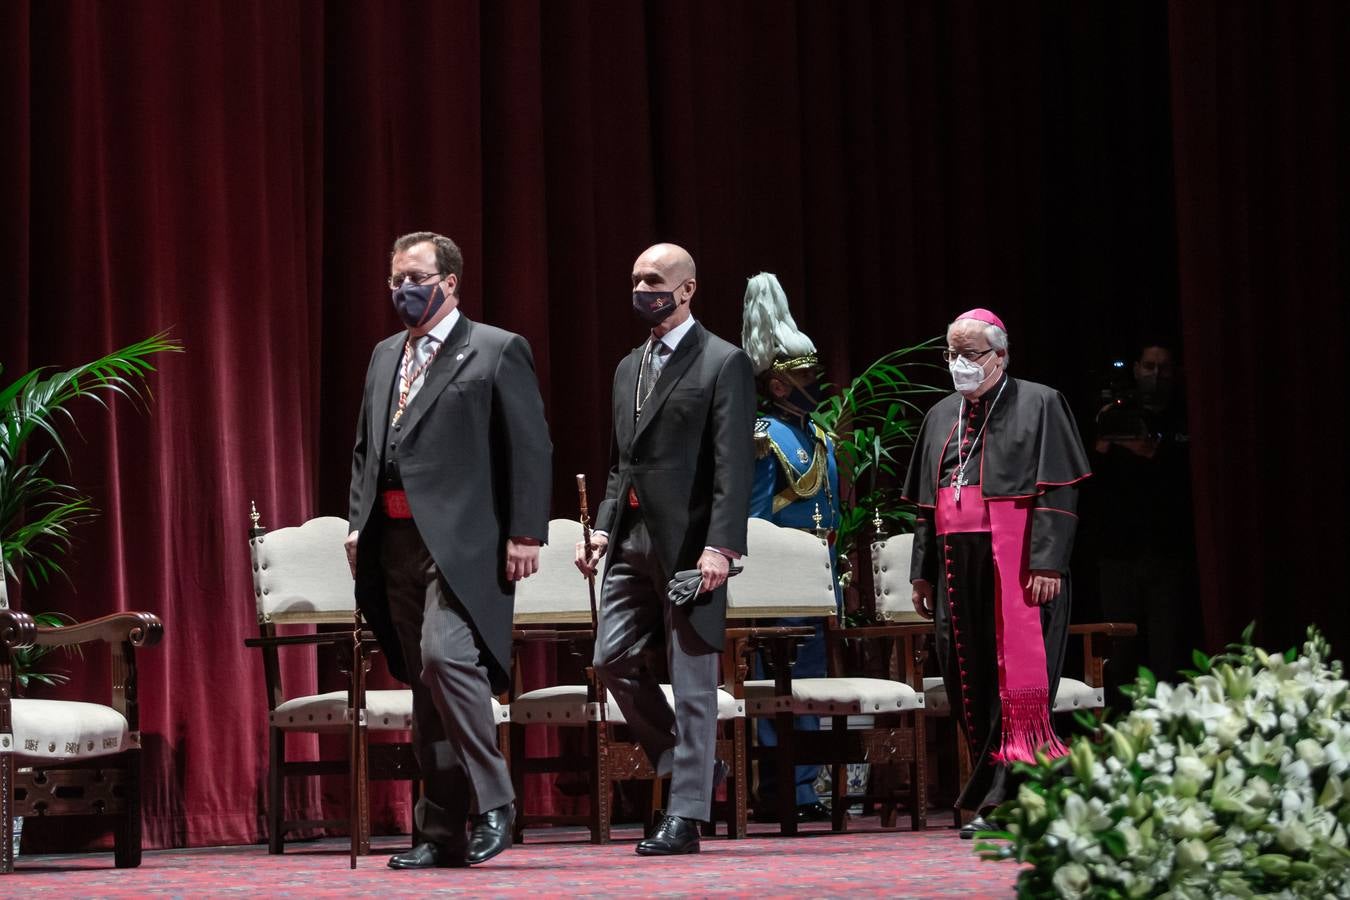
[(995, 475)]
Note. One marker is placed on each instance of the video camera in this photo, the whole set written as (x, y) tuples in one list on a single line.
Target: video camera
[(1121, 417)]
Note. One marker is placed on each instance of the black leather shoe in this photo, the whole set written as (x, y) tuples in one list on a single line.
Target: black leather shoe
[(977, 824), (674, 836), (813, 812), (427, 855), (491, 833), (807, 812)]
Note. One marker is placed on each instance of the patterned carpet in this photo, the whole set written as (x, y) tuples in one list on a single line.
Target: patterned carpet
[(866, 861)]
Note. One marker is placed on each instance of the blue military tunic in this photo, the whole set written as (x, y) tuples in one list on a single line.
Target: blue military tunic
[(796, 478)]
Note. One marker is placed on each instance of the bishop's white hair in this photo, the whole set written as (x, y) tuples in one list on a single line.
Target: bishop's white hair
[(997, 337), (768, 330)]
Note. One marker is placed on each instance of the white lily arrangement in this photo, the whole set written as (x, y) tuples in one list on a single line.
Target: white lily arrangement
[(1230, 784)]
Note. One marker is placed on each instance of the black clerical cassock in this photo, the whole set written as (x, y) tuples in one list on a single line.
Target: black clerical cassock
[(995, 479)]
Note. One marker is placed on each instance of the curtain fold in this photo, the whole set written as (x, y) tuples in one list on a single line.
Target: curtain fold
[(1259, 106)]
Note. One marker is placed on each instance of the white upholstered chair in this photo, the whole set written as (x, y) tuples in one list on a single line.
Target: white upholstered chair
[(554, 606), (788, 574), (61, 757), (301, 577)]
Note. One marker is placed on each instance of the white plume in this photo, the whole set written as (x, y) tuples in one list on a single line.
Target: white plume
[(768, 330)]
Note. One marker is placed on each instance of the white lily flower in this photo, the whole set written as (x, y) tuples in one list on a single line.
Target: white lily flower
[(1072, 881)]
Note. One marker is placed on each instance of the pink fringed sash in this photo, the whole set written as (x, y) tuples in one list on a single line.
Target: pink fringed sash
[(1024, 692), (1023, 689)]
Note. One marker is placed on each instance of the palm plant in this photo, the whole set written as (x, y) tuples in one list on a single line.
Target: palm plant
[(875, 419), (37, 512)]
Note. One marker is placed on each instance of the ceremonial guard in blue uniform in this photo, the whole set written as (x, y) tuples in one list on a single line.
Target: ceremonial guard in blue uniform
[(796, 486)]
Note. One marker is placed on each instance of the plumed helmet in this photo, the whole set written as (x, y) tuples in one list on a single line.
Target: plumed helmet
[(769, 334)]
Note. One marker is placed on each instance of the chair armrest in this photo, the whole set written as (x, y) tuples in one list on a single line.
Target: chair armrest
[(908, 642), (908, 629), (17, 629), (552, 635), (1097, 640), (140, 629), (766, 633), (1110, 629), (318, 637)]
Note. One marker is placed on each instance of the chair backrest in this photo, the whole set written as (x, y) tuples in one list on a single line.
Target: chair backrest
[(890, 579), (787, 573), (556, 594), (300, 574)]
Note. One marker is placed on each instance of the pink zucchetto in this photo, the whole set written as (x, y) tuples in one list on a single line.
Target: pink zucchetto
[(981, 314)]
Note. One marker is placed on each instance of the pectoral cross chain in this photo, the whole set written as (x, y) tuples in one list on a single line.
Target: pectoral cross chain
[(959, 481)]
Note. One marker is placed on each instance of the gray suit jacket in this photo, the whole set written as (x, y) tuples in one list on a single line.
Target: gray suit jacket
[(476, 462), (690, 457)]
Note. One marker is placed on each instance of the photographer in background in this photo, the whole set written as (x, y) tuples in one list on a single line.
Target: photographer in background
[(1146, 555)]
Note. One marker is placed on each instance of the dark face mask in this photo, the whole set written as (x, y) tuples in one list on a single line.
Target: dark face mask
[(417, 304), (654, 306), (807, 397)]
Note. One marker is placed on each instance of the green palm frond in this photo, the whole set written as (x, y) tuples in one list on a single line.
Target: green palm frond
[(37, 512), (34, 403), (875, 419)]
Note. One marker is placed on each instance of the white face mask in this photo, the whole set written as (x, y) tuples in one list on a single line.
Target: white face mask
[(967, 376)]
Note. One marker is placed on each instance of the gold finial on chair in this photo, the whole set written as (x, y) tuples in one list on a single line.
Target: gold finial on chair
[(817, 518), (877, 523), (257, 530)]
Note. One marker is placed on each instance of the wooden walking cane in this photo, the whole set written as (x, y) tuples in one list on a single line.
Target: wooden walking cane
[(590, 579), (600, 808)]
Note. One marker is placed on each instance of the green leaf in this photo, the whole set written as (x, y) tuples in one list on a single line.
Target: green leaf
[(1114, 842), (37, 513)]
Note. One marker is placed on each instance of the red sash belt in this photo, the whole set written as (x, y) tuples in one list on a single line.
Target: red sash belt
[(395, 504), (632, 498)]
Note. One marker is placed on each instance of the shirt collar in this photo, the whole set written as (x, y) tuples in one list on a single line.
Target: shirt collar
[(985, 400), (441, 330), (673, 337)]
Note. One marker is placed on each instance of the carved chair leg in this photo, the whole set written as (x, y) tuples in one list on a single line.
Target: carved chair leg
[(918, 780), (736, 786), (127, 833), (276, 794), (602, 784), (516, 761), (785, 770), (658, 802), (838, 776), (6, 812), (415, 793), (361, 798)]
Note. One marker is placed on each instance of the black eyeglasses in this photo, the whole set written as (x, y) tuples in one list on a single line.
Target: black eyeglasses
[(396, 280), (968, 355)]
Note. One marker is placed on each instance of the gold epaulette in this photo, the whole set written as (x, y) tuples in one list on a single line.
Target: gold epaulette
[(762, 442)]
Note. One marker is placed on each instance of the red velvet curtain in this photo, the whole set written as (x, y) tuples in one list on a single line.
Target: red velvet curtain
[(1260, 98), (237, 171)]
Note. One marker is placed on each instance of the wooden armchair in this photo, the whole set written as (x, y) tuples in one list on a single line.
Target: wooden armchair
[(59, 757), (788, 574), (553, 606)]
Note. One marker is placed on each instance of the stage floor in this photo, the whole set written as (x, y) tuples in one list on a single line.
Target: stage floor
[(868, 860)]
